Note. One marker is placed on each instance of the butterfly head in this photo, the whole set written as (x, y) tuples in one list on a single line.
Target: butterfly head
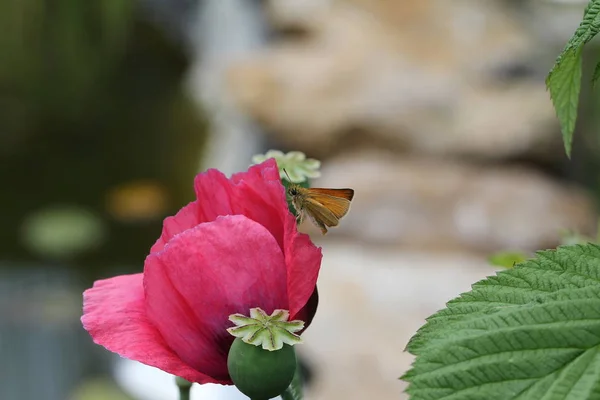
[(293, 191)]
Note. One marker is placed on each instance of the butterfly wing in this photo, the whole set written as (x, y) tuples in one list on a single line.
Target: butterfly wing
[(337, 201), (347, 194), (320, 215)]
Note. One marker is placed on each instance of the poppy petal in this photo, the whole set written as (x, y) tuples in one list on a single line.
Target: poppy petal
[(303, 261), (114, 314), (266, 171), (206, 274), (185, 219), (218, 197), (214, 193), (263, 202), (257, 193)]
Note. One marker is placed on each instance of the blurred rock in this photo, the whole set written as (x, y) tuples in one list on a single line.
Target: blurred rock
[(554, 21), (429, 76), (304, 16), (438, 204), (371, 301)]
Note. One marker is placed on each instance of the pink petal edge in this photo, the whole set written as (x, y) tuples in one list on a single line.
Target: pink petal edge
[(185, 219), (114, 314), (214, 195), (303, 261)]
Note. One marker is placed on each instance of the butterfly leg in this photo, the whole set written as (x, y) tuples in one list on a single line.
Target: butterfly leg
[(300, 218)]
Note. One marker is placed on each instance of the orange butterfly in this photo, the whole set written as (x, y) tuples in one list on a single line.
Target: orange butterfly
[(325, 207)]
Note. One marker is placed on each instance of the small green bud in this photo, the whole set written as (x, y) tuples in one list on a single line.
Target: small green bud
[(299, 168), (261, 374)]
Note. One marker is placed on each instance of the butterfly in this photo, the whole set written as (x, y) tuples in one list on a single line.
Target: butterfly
[(325, 207)]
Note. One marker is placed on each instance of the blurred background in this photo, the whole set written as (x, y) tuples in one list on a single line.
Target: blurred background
[(434, 111)]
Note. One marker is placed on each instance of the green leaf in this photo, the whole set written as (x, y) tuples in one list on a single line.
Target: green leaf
[(564, 80), (564, 83), (589, 26), (294, 391), (530, 332)]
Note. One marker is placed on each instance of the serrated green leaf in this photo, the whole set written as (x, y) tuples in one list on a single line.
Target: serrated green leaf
[(564, 80), (564, 83), (589, 26), (531, 332)]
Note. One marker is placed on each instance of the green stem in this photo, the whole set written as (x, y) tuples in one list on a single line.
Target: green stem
[(184, 388)]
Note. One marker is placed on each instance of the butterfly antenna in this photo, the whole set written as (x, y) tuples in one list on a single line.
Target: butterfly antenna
[(286, 174)]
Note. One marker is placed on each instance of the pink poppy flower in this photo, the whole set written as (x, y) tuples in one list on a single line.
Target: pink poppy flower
[(236, 247)]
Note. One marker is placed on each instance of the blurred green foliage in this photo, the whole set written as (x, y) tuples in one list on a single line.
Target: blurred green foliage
[(507, 259), (57, 55), (91, 98), (571, 237), (99, 389)]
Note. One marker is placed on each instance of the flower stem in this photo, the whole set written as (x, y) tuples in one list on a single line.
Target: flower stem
[(184, 388)]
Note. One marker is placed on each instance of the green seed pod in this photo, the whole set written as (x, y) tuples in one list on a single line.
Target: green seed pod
[(261, 374)]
